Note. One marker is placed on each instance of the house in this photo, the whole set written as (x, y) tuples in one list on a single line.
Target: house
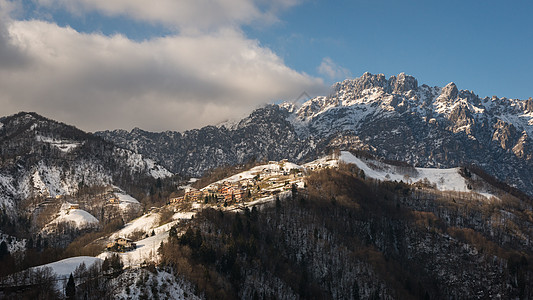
[(121, 245), (239, 194), (194, 194), (74, 206), (233, 192), (113, 200), (228, 197), (177, 200)]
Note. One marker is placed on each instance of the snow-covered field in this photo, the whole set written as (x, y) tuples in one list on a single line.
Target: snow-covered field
[(443, 179), (78, 217), (64, 267), (144, 223)]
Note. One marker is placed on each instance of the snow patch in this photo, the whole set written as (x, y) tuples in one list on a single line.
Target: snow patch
[(64, 267), (79, 217), (126, 201), (63, 145), (183, 215), (489, 196), (13, 244), (169, 286), (157, 171), (145, 223), (443, 179), (7, 193)]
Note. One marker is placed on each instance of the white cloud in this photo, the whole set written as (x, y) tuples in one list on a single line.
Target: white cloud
[(177, 82), (185, 15), (330, 69)]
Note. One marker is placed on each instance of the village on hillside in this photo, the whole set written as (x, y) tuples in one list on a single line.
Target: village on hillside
[(259, 185), (260, 182)]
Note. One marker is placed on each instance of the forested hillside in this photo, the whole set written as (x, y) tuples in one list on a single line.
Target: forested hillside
[(352, 238)]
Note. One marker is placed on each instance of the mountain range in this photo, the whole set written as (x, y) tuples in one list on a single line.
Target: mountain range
[(395, 118), (384, 189)]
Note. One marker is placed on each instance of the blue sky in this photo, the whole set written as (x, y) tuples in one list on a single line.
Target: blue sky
[(102, 64), (485, 46)]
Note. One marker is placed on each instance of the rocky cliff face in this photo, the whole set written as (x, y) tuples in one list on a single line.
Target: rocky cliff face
[(394, 118)]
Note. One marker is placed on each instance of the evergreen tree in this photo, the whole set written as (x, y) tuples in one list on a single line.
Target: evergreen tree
[(173, 233), (4, 252), (116, 263), (105, 265), (70, 291)]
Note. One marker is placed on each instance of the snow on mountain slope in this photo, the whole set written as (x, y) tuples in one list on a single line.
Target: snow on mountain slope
[(372, 98), (372, 95), (144, 223), (69, 214), (7, 193), (146, 250), (138, 163), (45, 158), (126, 201), (63, 268), (14, 244), (442, 179), (63, 145), (147, 247), (50, 180), (169, 286)]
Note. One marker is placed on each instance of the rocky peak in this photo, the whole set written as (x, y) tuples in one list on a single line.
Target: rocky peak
[(450, 91), (366, 81), (402, 83), (470, 97), (529, 105)]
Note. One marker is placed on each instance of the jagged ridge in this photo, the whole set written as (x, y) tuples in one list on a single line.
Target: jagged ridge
[(395, 118)]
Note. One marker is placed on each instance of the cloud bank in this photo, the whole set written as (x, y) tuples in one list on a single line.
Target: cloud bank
[(177, 82)]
